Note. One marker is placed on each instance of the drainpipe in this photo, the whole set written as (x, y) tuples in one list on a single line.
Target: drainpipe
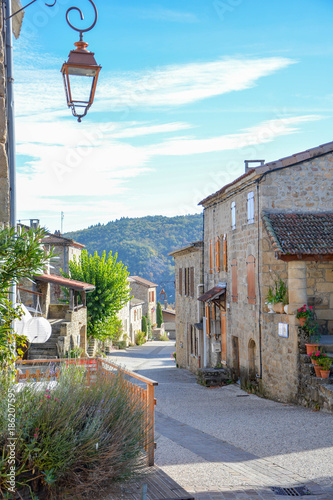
[(259, 375), (204, 327)]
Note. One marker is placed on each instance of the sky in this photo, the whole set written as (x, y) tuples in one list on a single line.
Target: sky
[(188, 91)]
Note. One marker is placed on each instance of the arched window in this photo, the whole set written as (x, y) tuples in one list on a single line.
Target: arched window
[(251, 279)]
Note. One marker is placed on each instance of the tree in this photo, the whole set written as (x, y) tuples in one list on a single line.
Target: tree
[(21, 256), (144, 325), (111, 293), (159, 315)]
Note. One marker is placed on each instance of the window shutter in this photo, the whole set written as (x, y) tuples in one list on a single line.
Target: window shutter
[(180, 279), (225, 256), (192, 281), (211, 270), (185, 278), (213, 312), (234, 280), (217, 254), (207, 319), (251, 283), (250, 207), (153, 296)]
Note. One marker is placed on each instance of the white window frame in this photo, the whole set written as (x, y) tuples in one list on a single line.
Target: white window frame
[(233, 215), (250, 207)]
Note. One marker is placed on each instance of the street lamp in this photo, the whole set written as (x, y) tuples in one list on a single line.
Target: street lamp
[(81, 71), (81, 63)]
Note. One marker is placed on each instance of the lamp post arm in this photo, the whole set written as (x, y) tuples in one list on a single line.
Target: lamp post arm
[(23, 8), (81, 31)]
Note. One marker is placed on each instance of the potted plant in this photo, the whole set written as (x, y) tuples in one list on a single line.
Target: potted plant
[(325, 365), (304, 314), (315, 357), (277, 297), (311, 331)]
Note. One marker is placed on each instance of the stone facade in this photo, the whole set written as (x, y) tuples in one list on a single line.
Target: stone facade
[(257, 353), (135, 318), (190, 340), (145, 290), (4, 176)]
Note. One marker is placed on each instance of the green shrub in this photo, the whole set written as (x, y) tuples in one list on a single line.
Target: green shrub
[(159, 315), (163, 337), (73, 437), (140, 338), (144, 325)]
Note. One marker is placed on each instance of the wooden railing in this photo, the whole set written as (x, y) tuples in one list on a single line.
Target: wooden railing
[(49, 369)]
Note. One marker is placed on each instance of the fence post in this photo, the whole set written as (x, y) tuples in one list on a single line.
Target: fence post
[(150, 423)]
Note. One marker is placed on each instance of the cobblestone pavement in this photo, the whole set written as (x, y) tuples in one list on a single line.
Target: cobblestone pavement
[(222, 443)]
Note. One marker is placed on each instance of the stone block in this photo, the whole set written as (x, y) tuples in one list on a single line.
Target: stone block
[(325, 287), (329, 275)]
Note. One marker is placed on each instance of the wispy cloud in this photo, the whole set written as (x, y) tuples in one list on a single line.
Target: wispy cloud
[(178, 85)]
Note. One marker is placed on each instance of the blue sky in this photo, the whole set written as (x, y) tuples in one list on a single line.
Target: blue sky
[(188, 91)]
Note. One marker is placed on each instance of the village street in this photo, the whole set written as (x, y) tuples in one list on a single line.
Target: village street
[(222, 443)]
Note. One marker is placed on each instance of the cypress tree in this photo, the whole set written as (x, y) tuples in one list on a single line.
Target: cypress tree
[(159, 315)]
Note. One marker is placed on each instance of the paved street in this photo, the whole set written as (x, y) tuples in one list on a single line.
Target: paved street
[(223, 443)]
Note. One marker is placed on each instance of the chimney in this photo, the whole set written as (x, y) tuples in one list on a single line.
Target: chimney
[(247, 168), (34, 223)]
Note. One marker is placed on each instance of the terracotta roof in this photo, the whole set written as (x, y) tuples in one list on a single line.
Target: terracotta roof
[(288, 161), (56, 239), (66, 282), (213, 293), (142, 281), (300, 234)]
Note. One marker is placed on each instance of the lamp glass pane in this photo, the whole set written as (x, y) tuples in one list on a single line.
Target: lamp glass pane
[(80, 87), (74, 70)]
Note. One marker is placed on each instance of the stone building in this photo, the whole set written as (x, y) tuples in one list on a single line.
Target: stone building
[(245, 228), (146, 291), (271, 223), (190, 340), (135, 318)]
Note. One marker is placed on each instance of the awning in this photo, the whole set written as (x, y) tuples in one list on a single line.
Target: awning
[(78, 286), (213, 293)]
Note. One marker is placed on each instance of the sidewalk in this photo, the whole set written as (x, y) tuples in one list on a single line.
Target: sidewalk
[(223, 443)]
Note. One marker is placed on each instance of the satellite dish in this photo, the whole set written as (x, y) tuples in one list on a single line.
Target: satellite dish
[(19, 324), (38, 330)]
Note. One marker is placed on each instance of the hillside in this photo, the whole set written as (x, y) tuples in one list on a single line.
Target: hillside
[(143, 244)]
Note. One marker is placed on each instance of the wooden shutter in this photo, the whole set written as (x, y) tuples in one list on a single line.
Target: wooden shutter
[(223, 336), (234, 280), (180, 281), (213, 312), (185, 281), (217, 254), (192, 281), (225, 256), (207, 319), (251, 279), (211, 270)]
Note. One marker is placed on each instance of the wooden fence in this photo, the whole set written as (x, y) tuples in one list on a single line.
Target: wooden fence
[(40, 370)]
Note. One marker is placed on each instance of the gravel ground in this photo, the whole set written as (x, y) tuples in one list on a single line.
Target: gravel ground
[(297, 439)]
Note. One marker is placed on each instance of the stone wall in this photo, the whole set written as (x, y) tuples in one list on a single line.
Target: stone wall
[(64, 253), (142, 292), (4, 179), (136, 321), (73, 332), (190, 353)]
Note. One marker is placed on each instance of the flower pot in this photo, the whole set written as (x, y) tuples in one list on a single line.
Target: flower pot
[(285, 308), (270, 308), (317, 370), (325, 373), (310, 348), (278, 308), (302, 321), (314, 362)]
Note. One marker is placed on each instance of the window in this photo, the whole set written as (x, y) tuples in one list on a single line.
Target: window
[(180, 281), (135, 315), (234, 293), (251, 285), (211, 270), (233, 215), (250, 207), (189, 281), (152, 296)]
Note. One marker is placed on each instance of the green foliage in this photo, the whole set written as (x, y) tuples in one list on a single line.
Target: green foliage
[(140, 338), (108, 328), (111, 292), (159, 315), (144, 243), (279, 293), (149, 327), (75, 352), (163, 337), (144, 325), (325, 362), (21, 256), (70, 439)]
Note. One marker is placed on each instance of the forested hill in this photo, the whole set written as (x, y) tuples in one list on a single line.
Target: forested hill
[(143, 244)]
